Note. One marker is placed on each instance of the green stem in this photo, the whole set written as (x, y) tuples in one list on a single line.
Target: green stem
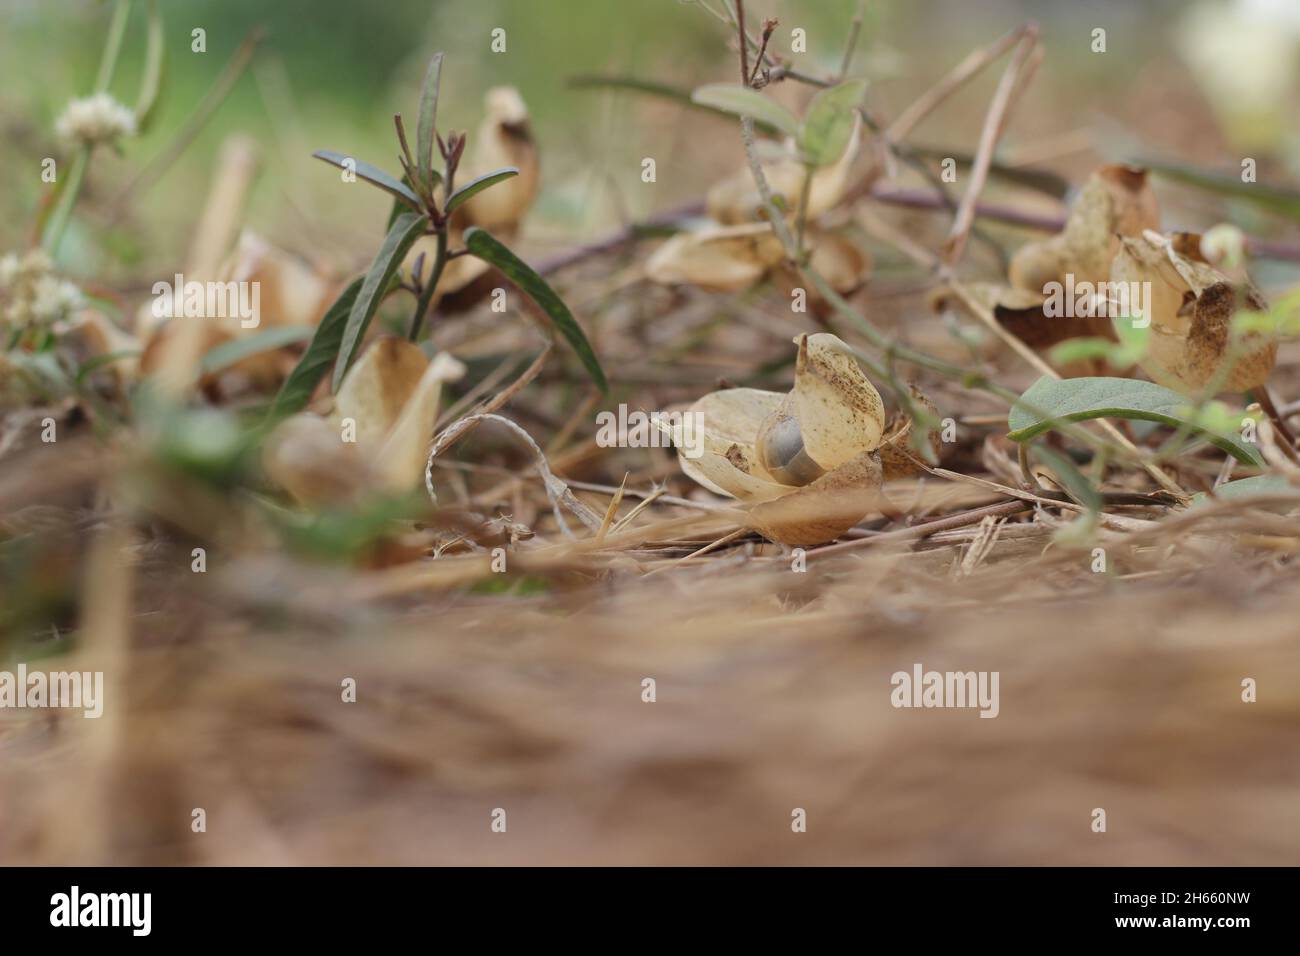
[(426, 296), (58, 221), (113, 45), (802, 226)]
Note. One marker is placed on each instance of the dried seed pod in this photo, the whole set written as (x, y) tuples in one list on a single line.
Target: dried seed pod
[(378, 387), (825, 509), (391, 397), (736, 199), (840, 411), (504, 138), (1191, 306), (841, 262), (400, 463), (1116, 201), (897, 458), (725, 259), (806, 462), (306, 456)]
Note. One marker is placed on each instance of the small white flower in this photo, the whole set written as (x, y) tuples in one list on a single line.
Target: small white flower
[(33, 295), (54, 299), (8, 270), (35, 264), (95, 119)]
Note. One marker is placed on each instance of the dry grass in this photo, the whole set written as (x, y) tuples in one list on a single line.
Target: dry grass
[(1119, 691), (1119, 688)]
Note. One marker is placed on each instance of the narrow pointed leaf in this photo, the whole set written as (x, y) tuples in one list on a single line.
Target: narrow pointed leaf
[(476, 186), (408, 228), (236, 350), (320, 354), (373, 175), (486, 247), (742, 101), (663, 90), (400, 205), (1050, 402), (428, 117), (153, 70)]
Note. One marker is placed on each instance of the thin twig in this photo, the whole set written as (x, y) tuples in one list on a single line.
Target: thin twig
[(994, 124), (950, 84)]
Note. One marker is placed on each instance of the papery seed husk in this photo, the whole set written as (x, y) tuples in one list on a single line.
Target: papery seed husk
[(504, 138), (840, 412), (824, 510), (306, 456), (377, 388), (898, 459), (729, 259), (736, 198), (731, 417), (1191, 308), (401, 461)]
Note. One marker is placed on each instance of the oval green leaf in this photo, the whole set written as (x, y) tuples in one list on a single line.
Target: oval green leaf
[(742, 101), (236, 350), (1257, 486), (484, 246), (1050, 402), (828, 124)]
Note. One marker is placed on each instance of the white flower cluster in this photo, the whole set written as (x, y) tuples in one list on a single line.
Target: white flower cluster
[(95, 119), (32, 295)]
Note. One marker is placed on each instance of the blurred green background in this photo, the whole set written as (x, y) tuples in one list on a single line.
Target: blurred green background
[(331, 73)]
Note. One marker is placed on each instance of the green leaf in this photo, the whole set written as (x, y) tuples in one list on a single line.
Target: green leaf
[(1077, 350), (324, 348), (828, 124), (487, 248), (1050, 402), (1273, 199), (153, 70), (1258, 485), (476, 186), (371, 174), (427, 126), (408, 228), (400, 205), (99, 361), (663, 90), (742, 101), (236, 350), (1074, 481)]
